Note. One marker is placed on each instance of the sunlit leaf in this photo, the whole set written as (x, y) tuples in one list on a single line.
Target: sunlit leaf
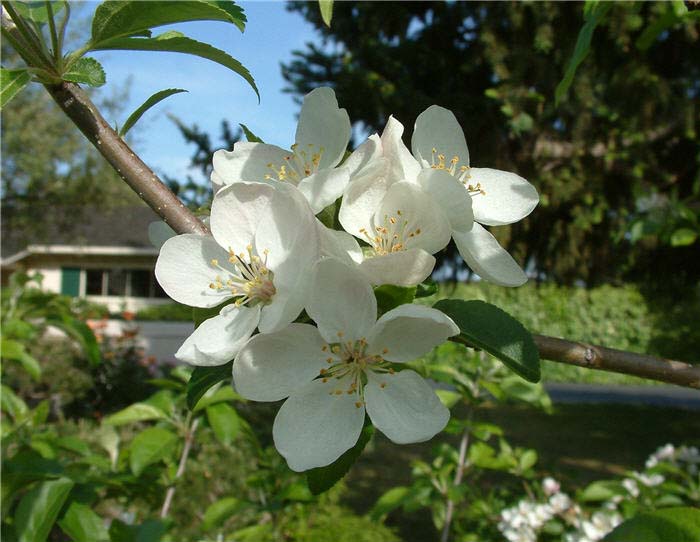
[(11, 82), (326, 7), (39, 508), (86, 70), (150, 446), (145, 106)]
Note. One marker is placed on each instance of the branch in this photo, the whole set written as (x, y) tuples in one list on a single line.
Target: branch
[(189, 438), (618, 361)]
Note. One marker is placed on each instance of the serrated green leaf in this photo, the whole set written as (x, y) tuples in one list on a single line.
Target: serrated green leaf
[(150, 446), (250, 136), (11, 82), (670, 524), (220, 511), (683, 237), (224, 421), (181, 44), (37, 511), (485, 326), (15, 351), (391, 500), (323, 478), (138, 412), (83, 525), (593, 14), (145, 106), (204, 378), (86, 70), (326, 7), (36, 11), (390, 296), (115, 19)]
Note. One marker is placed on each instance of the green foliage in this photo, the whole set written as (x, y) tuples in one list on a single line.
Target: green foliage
[(321, 479), (86, 70), (169, 312), (487, 327), (11, 82), (203, 378), (678, 524), (39, 508), (326, 8), (145, 106), (390, 296), (250, 136), (82, 524), (149, 446)]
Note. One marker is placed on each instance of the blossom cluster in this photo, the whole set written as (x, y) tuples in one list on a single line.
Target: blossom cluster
[(269, 258)]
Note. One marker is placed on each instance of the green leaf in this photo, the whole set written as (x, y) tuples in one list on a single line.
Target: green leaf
[(86, 70), (217, 395), (593, 14), (11, 403), (11, 82), (81, 332), (487, 327), (150, 446), (426, 289), (527, 460), (39, 508), (670, 524), (150, 530), (683, 237), (326, 7), (15, 351), (83, 525), (600, 490), (138, 412), (204, 378), (145, 106), (391, 500), (448, 398), (390, 296), (224, 422), (36, 11), (220, 511), (177, 43), (118, 19), (323, 478), (250, 136)]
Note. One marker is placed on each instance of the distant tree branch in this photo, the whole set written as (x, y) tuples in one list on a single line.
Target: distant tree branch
[(618, 361)]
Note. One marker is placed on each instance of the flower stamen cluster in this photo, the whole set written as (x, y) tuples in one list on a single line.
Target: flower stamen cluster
[(391, 236), (301, 163), (250, 280)]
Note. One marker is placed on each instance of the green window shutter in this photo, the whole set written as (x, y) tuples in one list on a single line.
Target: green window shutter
[(70, 281)]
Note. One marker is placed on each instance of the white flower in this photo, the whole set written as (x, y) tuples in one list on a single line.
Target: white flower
[(664, 453), (496, 197), (263, 244), (550, 486), (334, 373), (650, 480), (631, 486), (560, 502), (322, 136)]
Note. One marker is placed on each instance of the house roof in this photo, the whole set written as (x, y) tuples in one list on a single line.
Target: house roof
[(115, 229)]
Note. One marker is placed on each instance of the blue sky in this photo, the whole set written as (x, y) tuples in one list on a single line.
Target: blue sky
[(215, 93)]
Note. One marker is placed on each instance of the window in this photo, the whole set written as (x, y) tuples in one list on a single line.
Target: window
[(140, 283), (122, 282), (94, 282)]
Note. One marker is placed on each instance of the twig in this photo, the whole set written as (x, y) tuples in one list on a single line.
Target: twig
[(459, 474), (189, 438), (618, 361)]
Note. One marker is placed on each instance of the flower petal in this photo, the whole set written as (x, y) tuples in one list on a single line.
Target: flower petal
[(437, 128), (315, 426), (322, 124), (362, 198), (409, 331), (402, 166), (406, 409), (507, 197), (247, 162), (405, 268), (341, 302), (416, 211), (237, 211), (487, 258), (338, 244), (272, 366), (451, 195), (364, 157), (217, 340), (324, 187), (285, 305), (185, 271)]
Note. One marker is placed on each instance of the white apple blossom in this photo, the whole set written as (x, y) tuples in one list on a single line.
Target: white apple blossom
[(495, 197), (321, 139), (264, 241), (333, 374)]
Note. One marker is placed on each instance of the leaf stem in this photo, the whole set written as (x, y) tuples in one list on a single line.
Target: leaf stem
[(55, 46), (189, 439)]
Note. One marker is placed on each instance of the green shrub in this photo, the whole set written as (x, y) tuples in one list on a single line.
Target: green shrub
[(173, 312)]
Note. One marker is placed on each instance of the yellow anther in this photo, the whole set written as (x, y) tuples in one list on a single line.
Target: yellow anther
[(215, 263), (324, 348), (358, 404), (338, 392), (385, 351), (340, 334), (382, 385), (329, 360)]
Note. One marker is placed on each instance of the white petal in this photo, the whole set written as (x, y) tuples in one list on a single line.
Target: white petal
[(272, 366), (315, 426), (247, 162), (451, 195), (364, 157), (403, 166), (406, 409), (437, 128), (184, 269), (159, 232), (323, 124), (338, 244), (507, 197), (405, 268), (236, 212), (487, 258), (324, 187), (362, 199), (286, 304), (217, 340), (409, 331), (341, 301), (410, 205)]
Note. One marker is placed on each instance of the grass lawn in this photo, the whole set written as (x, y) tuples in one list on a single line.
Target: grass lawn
[(577, 444)]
